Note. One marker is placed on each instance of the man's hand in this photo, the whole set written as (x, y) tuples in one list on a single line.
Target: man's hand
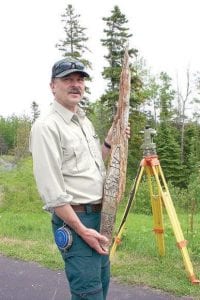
[(127, 132), (94, 239), (108, 140)]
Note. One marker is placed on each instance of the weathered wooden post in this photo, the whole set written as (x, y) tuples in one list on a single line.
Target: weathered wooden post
[(116, 174)]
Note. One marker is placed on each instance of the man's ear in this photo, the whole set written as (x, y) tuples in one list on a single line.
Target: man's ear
[(52, 85)]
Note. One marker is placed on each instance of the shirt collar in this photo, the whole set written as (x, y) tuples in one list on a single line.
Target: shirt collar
[(65, 113)]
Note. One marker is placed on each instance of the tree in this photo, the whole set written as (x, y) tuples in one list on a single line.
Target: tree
[(166, 95), (8, 128), (117, 38), (182, 101), (74, 44), (3, 146), (22, 138), (34, 111), (167, 145)]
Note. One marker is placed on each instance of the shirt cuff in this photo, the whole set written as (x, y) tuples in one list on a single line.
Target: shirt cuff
[(60, 201)]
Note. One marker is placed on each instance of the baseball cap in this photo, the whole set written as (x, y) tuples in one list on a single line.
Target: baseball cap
[(67, 66)]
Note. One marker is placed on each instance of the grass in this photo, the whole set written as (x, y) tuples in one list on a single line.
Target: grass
[(28, 236), (137, 260), (25, 233)]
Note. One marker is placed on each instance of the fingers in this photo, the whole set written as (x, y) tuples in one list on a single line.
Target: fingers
[(97, 241), (128, 132), (101, 250), (104, 244), (103, 239)]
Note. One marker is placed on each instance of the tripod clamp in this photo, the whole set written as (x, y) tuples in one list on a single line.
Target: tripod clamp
[(148, 146)]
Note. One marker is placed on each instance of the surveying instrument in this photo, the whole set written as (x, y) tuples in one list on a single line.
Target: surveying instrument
[(160, 197)]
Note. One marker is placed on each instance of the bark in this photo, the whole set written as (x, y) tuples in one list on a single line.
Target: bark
[(116, 174)]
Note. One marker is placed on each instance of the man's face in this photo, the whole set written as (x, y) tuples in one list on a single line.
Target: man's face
[(69, 90)]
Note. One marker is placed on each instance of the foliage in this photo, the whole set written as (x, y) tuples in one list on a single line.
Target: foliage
[(35, 112), (3, 146), (8, 128), (180, 197), (194, 191), (169, 155), (21, 149), (167, 146), (97, 114), (74, 44), (116, 39), (137, 123), (14, 135)]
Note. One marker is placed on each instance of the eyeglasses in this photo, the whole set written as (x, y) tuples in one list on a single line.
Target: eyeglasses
[(64, 66)]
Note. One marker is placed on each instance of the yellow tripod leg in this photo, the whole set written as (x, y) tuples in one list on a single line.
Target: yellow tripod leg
[(181, 242), (132, 195), (157, 211)]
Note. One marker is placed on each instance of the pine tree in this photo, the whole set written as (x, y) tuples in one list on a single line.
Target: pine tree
[(74, 44), (35, 112), (167, 146), (117, 38)]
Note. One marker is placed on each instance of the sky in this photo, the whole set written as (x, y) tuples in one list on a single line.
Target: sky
[(166, 33)]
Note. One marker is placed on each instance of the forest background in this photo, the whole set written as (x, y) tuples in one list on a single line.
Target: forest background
[(153, 102)]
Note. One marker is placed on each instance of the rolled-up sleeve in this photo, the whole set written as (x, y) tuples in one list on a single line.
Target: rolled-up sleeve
[(47, 165)]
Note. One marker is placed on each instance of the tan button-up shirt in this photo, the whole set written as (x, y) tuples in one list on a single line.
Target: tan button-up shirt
[(67, 158)]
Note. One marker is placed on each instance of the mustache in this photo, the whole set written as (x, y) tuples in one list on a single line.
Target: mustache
[(74, 91)]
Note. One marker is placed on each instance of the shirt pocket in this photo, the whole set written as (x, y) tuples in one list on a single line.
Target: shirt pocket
[(82, 159), (75, 158), (69, 160)]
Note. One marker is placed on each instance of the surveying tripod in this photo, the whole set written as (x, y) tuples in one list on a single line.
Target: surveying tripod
[(160, 197)]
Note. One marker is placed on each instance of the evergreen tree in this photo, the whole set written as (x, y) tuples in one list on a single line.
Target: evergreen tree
[(166, 95), (35, 112), (117, 38), (193, 143), (167, 146), (169, 154), (194, 171), (74, 44)]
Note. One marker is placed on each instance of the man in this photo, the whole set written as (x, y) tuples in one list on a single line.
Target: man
[(69, 172)]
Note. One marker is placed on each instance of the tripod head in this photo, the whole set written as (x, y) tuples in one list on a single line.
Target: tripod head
[(148, 147)]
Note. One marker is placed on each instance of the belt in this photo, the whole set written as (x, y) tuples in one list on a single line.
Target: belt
[(87, 207)]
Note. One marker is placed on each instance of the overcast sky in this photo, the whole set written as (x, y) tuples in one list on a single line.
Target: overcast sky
[(166, 33)]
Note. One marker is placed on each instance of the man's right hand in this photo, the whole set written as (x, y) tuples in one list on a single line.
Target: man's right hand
[(94, 239)]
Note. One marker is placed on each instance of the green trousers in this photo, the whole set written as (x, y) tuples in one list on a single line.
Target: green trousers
[(87, 271)]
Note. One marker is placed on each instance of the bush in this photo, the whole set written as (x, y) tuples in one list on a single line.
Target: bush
[(142, 203)]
